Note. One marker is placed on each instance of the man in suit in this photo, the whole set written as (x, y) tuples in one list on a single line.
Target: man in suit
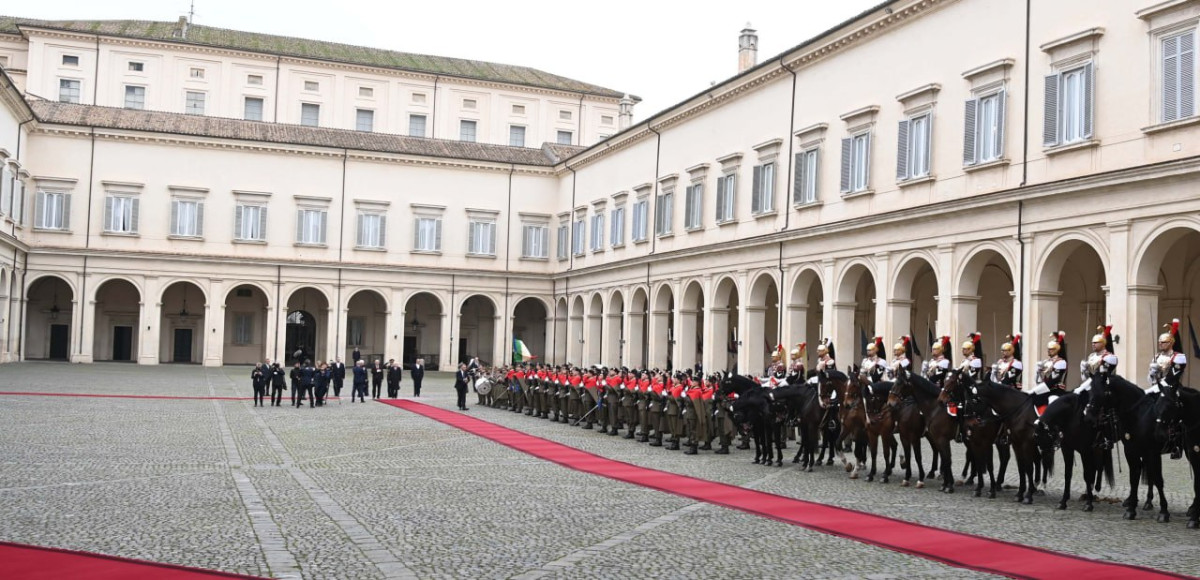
[(357, 356), (460, 385), (418, 373), (377, 372), (395, 374), (339, 375), (308, 376), (360, 382)]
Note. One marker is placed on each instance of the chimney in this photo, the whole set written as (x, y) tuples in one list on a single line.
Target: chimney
[(181, 28), (625, 118), (747, 49)]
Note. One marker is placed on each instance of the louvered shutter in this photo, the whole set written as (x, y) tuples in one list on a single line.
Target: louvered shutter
[(798, 179), (970, 129), (1001, 106), (1050, 122), (1170, 78), (473, 238), (1089, 99), (1187, 75), (322, 226), (200, 219), (866, 168), (39, 210), (756, 190), (237, 222), (262, 223), (361, 238), (846, 161), (65, 205), (382, 237), (300, 225), (108, 214), (417, 234), (902, 150), (133, 215), (437, 235), (175, 229)]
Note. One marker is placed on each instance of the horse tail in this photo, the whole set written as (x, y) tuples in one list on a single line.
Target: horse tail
[(1047, 451), (1106, 464)]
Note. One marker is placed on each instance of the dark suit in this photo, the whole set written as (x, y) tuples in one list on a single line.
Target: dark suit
[(376, 379), (460, 385), (417, 373), (308, 377), (360, 384), (395, 374), (339, 375), (357, 356), (278, 384)]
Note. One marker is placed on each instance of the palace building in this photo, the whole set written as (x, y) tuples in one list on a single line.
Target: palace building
[(179, 193)]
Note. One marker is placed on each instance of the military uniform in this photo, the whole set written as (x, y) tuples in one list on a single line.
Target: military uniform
[(655, 409), (1100, 361)]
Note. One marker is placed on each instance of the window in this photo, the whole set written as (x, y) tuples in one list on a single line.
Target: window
[(250, 223), (243, 328), (312, 86), (580, 231), (516, 136), (428, 235), (253, 109), (364, 120), (856, 157), (616, 237), (187, 218), (466, 131), (418, 98), (983, 139), (18, 203), (136, 66), (641, 210), (256, 80), (762, 194), (563, 235), (663, 209), (120, 214), (481, 238), (726, 197), (372, 230), (518, 109), (1069, 103), (912, 149), (597, 232), (469, 103), (806, 177), (196, 73), (535, 241), (310, 226), (606, 120), (52, 211), (565, 137), (310, 114), (366, 92), (194, 103), (6, 193), (70, 60), (693, 205), (564, 115), (1179, 76), (135, 97), (416, 125), (68, 91)]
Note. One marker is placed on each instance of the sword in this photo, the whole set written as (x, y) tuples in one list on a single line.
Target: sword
[(585, 415)]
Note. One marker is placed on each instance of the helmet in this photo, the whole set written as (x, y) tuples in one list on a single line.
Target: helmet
[(798, 350), (898, 349), (1172, 335), (1104, 336), (1057, 344), (872, 348), (775, 355), (936, 347), (822, 349)]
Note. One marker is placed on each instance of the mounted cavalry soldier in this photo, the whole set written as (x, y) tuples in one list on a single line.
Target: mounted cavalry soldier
[(796, 372), (1007, 370), (938, 363), (776, 371), (972, 365), (825, 356), (901, 357), (1101, 361), (1052, 373), (1168, 366), (874, 368)]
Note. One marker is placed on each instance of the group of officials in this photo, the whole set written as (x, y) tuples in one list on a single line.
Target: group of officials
[(311, 382)]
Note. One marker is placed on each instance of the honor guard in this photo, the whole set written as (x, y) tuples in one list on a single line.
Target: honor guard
[(776, 372), (1052, 373), (1007, 370), (1101, 361), (1168, 366), (972, 365), (796, 371), (874, 367), (938, 363), (901, 357), (825, 360)]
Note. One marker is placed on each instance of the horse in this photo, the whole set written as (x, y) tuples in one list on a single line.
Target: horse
[(913, 416), (982, 429), (803, 409), (1077, 435), (851, 415), (1186, 416), (1015, 409), (881, 426), (1137, 422), (752, 413)]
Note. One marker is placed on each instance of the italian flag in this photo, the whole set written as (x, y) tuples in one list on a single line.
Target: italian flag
[(521, 352)]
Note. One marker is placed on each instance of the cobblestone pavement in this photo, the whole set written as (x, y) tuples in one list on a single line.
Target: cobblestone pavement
[(370, 491)]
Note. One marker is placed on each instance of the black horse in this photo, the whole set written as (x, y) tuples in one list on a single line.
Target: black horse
[(1077, 435), (752, 414), (1137, 421), (802, 408), (1016, 411), (940, 427), (1185, 417), (981, 427)]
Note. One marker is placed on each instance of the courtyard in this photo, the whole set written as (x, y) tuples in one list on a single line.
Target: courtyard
[(372, 491)]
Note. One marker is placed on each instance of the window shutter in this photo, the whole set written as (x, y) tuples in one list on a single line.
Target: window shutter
[(1170, 78), (361, 238), (133, 215), (383, 231), (200, 218), (262, 223), (108, 213), (1187, 75), (756, 190), (1050, 123), (437, 235), (969, 131), (866, 168), (39, 210), (1089, 98), (175, 229), (237, 222), (1001, 105), (799, 178), (846, 146), (300, 225), (902, 150), (65, 208), (472, 238), (417, 234)]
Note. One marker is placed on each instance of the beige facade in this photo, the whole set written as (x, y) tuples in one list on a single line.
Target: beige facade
[(908, 172)]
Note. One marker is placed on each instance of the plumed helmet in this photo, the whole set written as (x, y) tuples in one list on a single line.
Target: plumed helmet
[(1057, 344), (798, 350), (1172, 335), (1104, 335)]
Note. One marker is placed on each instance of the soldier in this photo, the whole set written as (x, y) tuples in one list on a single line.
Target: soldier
[(901, 357), (874, 367), (1007, 370), (674, 404), (655, 408), (1052, 373), (776, 371), (825, 360), (695, 415), (938, 364), (796, 373), (643, 404), (628, 399), (575, 398), (1101, 361), (704, 413), (724, 420), (1168, 366), (567, 397), (972, 365)]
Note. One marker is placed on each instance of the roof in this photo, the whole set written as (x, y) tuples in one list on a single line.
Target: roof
[(314, 49), (221, 128)]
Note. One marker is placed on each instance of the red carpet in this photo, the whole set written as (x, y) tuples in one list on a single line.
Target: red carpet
[(35, 563), (103, 396), (946, 546)]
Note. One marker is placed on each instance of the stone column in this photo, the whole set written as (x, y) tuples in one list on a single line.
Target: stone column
[(213, 330), (613, 354), (1140, 338), (150, 321), (447, 354), (1043, 319), (883, 297), (83, 322), (945, 303), (716, 344), (499, 332), (1118, 303), (687, 338), (828, 299), (965, 317), (844, 338), (635, 338)]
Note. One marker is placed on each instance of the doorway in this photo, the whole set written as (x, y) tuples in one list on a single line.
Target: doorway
[(183, 346), (122, 343), (60, 335)]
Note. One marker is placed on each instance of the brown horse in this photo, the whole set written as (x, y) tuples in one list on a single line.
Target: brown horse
[(881, 426), (938, 426), (835, 385), (982, 429), (910, 424)]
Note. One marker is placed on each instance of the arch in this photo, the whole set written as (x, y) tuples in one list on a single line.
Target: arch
[(34, 280), (519, 298), (531, 325), (593, 328), (908, 268), (1052, 262), (118, 320), (424, 316), (639, 327), (302, 287), (762, 320), (913, 307), (1068, 290), (850, 276), (181, 338), (113, 277), (1149, 256), (662, 327), (49, 318), (307, 335), (561, 316), (806, 314), (255, 285), (194, 282), (575, 330), (691, 324), (387, 304), (1166, 286), (480, 295), (977, 259), (247, 312), (436, 297), (614, 330), (366, 325), (478, 319)]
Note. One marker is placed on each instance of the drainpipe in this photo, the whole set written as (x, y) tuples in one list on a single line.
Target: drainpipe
[(453, 317), (87, 234), (278, 308), (571, 242), (512, 167), (96, 74), (24, 297), (657, 160), (433, 112), (337, 314), (342, 224), (779, 307), (579, 122), (275, 115), (1024, 173), (789, 193)]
